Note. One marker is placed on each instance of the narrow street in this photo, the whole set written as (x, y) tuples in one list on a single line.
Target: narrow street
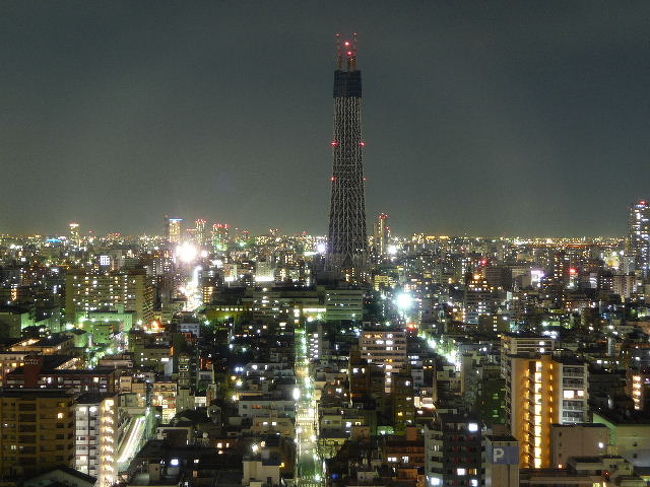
[(309, 470)]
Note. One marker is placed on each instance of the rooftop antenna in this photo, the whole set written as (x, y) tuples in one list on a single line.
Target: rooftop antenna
[(346, 52), (339, 53)]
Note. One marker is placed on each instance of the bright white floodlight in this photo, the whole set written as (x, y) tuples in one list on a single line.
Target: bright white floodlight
[(186, 252), (404, 301)]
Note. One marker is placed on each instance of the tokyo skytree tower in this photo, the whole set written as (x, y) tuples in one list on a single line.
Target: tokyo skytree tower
[(347, 241)]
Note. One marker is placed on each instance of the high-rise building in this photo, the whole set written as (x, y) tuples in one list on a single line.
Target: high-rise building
[(347, 241), (173, 229), (385, 349), (452, 445), (543, 390), (200, 233), (381, 235), (91, 290), (97, 437), (37, 431), (640, 236), (74, 234), (478, 300)]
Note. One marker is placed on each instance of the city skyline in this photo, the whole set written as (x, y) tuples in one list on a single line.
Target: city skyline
[(479, 120), (224, 262)]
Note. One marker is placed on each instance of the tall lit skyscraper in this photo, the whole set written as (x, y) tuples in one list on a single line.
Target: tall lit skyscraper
[(640, 236), (347, 243), (381, 234), (75, 237), (174, 229), (200, 233)]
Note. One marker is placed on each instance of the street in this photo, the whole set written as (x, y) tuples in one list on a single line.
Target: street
[(309, 468)]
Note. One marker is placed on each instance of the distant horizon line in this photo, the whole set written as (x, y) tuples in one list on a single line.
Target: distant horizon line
[(422, 234)]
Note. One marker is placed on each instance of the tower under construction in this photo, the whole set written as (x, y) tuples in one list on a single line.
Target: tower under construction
[(347, 241)]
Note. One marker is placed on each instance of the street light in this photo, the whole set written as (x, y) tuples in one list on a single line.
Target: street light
[(404, 301)]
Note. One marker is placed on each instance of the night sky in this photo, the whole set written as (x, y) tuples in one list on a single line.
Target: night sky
[(480, 118)]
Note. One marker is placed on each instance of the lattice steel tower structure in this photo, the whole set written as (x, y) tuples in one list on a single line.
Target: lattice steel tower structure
[(347, 243)]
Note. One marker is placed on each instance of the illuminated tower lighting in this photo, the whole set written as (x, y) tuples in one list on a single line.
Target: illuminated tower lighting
[(347, 241)]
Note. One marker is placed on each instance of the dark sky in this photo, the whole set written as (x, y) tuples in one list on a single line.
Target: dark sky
[(485, 118)]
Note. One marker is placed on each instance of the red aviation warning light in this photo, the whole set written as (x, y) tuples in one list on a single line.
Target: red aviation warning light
[(334, 143), (573, 271), (362, 144), (347, 53)]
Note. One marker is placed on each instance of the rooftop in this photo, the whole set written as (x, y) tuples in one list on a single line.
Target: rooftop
[(33, 393), (623, 416)]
